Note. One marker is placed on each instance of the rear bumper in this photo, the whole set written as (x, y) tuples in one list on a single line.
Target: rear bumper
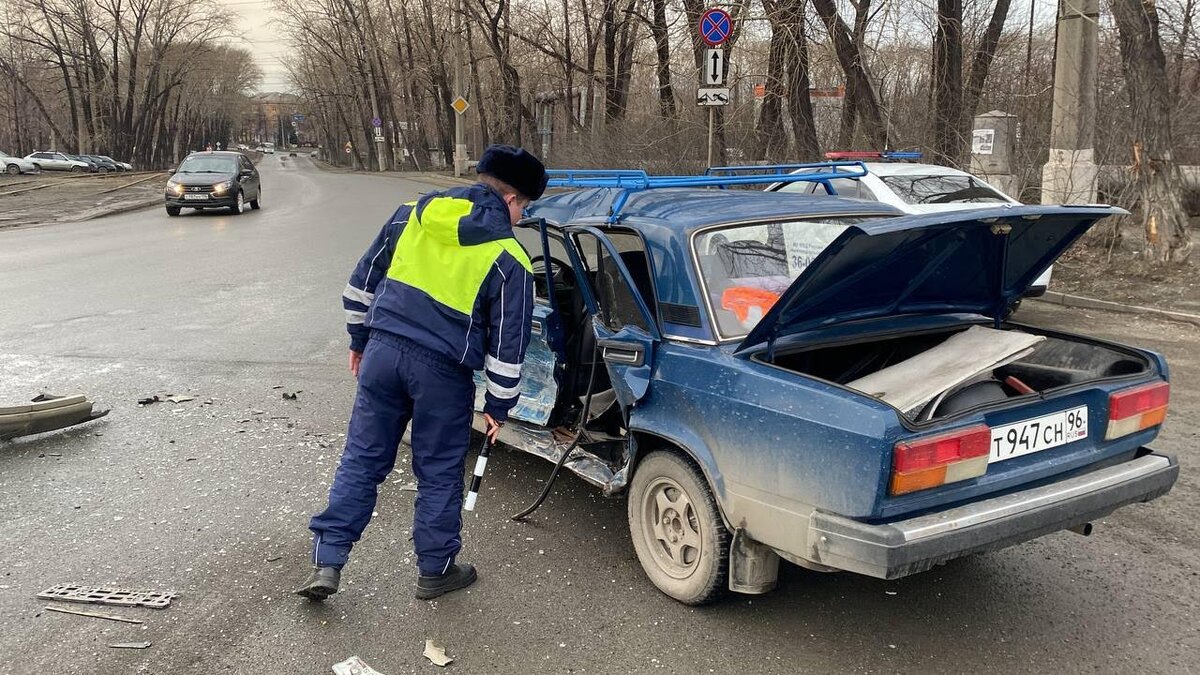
[(909, 546)]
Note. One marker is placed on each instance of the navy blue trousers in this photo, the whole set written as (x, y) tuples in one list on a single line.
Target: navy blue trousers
[(398, 382)]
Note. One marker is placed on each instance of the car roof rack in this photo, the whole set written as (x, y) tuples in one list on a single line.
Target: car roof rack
[(629, 181)]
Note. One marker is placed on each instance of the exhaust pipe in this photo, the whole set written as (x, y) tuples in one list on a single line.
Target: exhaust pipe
[(1084, 528)]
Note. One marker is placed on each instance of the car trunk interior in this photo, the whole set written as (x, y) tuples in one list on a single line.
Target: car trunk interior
[(1050, 363)]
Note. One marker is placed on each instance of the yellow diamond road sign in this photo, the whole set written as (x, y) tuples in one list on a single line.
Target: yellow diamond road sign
[(460, 105)]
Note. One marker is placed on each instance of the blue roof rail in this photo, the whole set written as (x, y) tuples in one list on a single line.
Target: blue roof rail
[(629, 181)]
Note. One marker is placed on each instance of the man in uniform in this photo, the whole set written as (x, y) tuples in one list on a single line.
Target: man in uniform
[(443, 291)]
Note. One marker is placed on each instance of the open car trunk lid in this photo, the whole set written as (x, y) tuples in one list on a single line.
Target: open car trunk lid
[(976, 262)]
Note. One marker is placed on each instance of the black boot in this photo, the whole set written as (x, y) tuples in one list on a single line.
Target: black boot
[(459, 576), (322, 583)]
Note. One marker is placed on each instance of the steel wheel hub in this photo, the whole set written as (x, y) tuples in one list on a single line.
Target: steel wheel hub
[(672, 528)]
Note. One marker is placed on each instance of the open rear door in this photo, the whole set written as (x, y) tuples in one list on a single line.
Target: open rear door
[(626, 331)]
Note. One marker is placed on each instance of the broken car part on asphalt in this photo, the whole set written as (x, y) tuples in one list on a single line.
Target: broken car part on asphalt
[(354, 666), (46, 413), (130, 645), (436, 655), (120, 597), (94, 615)]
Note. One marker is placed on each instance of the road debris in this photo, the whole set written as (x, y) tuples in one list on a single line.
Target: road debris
[(96, 615), (290, 396), (46, 413), (436, 654), (180, 399), (354, 666), (96, 595), (129, 645)]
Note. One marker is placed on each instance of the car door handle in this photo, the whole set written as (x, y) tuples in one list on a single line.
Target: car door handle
[(622, 353)]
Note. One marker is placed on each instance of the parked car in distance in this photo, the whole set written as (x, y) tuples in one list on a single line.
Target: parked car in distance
[(212, 180), (104, 164), (121, 166), (93, 165), (914, 188), (820, 380), (16, 165), (50, 160)]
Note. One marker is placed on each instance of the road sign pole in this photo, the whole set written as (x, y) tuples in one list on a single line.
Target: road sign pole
[(711, 121), (460, 141), (716, 26)]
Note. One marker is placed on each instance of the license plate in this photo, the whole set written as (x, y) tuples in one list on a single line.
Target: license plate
[(196, 198), (1041, 433)]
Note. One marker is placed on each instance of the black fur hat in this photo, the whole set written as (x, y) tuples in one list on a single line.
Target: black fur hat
[(516, 167)]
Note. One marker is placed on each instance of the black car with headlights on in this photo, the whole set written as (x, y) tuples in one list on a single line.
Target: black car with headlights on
[(214, 180)]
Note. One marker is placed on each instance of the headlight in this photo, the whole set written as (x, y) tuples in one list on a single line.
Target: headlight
[(172, 186), (220, 188)]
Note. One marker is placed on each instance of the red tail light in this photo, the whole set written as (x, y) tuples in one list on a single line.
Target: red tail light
[(922, 463), (1131, 410)]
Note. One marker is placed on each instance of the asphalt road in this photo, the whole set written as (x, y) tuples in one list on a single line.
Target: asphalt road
[(210, 497)]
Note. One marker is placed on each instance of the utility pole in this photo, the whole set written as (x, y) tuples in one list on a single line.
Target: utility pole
[(460, 143), (1070, 175)]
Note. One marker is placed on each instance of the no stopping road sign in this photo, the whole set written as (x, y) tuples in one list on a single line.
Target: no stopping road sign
[(715, 26)]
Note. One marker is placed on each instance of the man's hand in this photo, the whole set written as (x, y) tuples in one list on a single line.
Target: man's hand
[(493, 427), (355, 362)]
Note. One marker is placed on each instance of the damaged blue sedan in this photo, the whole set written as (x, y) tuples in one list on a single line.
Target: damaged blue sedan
[(766, 376)]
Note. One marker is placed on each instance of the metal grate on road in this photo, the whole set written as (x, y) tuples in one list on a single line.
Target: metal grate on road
[(120, 597)]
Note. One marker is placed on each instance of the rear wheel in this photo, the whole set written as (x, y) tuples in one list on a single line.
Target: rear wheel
[(77, 169), (103, 169), (173, 210), (240, 206), (256, 203), (13, 169), (677, 530)]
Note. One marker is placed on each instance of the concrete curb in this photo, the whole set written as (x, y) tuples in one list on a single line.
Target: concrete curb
[(431, 177), (1080, 302), (117, 209)]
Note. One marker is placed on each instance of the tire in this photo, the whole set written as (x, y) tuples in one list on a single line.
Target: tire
[(677, 530), (237, 209), (256, 203), (13, 170), (77, 169), (173, 210)]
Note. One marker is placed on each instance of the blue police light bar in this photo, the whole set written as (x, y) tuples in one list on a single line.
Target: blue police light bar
[(886, 154), (629, 181)]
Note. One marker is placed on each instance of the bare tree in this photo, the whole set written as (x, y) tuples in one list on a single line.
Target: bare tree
[(1145, 65)]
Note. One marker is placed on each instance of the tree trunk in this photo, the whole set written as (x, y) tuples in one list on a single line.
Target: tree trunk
[(662, 51), (1167, 237), (862, 14), (769, 128), (800, 112), (981, 65), (870, 113), (947, 83)]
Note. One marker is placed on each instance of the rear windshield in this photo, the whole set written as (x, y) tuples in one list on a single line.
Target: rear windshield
[(745, 268), (918, 189), (208, 165)]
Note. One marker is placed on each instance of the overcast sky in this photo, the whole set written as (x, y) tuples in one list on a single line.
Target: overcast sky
[(253, 20)]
